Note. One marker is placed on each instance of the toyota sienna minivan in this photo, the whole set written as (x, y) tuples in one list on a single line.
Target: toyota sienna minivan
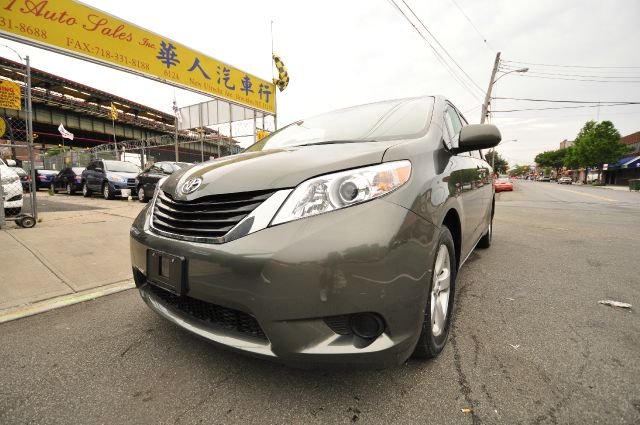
[(336, 239)]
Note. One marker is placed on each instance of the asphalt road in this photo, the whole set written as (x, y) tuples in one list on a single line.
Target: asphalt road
[(530, 345)]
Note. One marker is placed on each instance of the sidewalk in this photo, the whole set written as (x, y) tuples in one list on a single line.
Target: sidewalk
[(68, 253), (610, 187)]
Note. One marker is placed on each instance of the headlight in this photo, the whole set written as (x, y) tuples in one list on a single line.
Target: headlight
[(339, 190), (10, 179), (117, 178)]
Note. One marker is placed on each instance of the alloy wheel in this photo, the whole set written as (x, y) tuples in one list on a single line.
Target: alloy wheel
[(440, 291), (68, 188), (141, 196), (105, 192)]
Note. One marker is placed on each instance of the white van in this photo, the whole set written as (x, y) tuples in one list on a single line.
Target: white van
[(11, 190)]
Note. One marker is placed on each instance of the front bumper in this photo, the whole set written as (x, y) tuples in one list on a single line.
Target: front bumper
[(121, 189), (374, 257)]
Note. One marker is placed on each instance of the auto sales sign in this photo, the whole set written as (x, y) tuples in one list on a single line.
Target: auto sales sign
[(75, 29)]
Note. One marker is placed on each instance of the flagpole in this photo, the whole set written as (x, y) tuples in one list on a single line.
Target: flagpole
[(275, 89), (115, 142)]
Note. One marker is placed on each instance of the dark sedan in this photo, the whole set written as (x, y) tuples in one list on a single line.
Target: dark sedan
[(44, 178), (69, 180), (149, 177), (336, 239)]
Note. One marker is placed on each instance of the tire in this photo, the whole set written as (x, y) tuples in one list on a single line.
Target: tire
[(435, 327), (142, 197), (70, 189), (86, 192), (485, 240), (106, 193), (27, 222)]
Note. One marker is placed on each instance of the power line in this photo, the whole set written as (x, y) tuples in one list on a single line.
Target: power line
[(573, 66), (577, 79), (442, 47), (566, 101), (572, 75), (437, 54), (486, 43), (565, 107)]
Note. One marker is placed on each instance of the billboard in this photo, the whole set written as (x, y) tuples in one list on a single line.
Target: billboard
[(75, 29)]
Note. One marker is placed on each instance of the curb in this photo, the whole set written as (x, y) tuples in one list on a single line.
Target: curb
[(15, 313)]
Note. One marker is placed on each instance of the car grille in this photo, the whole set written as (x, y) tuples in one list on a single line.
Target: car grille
[(227, 318), (131, 183), (206, 217)]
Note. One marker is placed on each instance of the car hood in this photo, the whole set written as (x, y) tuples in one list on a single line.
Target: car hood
[(274, 168), (123, 174)]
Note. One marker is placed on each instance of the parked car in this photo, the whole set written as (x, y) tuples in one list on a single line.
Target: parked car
[(565, 180), (544, 178), (68, 179), (110, 178), (503, 183), (148, 179), (44, 178), (12, 189), (336, 239), (25, 178)]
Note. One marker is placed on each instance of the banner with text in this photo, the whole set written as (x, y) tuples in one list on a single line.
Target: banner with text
[(83, 31)]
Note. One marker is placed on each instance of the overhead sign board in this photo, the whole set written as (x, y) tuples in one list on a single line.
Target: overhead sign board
[(10, 95), (73, 28)]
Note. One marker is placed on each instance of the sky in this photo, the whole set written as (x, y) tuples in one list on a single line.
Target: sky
[(350, 52)]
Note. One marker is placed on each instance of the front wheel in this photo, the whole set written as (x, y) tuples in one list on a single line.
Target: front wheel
[(106, 193), (439, 309), (142, 197)]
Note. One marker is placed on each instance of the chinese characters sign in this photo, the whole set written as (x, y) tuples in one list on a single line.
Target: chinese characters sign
[(10, 95), (84, 31)]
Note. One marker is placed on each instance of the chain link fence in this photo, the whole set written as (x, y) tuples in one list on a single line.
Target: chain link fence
[(17, 183)]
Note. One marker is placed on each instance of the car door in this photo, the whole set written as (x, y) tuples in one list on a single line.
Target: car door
[(99, 175), (88, 173), (468, 177)]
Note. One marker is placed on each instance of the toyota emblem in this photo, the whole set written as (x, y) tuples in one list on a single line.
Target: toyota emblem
[(191, 185)]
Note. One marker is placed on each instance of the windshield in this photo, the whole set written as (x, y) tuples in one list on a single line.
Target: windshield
[(389, 120), (121, 167)]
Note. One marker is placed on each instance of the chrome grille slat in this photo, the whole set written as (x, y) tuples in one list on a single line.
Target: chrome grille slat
[(209, 218)]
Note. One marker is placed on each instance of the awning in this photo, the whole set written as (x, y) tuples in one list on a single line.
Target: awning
[(631, 162)]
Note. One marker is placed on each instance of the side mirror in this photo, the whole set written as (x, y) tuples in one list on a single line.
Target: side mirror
[(478, 136)]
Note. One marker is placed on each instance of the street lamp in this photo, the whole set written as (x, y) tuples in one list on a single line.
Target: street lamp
[(492, 81)]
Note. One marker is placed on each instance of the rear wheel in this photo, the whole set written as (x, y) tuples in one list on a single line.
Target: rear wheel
[(439, 309), (70, 190), (86, 192), (485, 241)]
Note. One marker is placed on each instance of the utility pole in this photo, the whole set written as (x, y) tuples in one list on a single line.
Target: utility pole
[(487, 98)]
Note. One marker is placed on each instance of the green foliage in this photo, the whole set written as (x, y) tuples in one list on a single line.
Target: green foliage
[(519, 170), (552, 159), (597, 144), (501, 165)]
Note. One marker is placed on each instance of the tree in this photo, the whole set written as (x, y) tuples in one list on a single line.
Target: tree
[(597, 144), (552, 159), (500, 165)]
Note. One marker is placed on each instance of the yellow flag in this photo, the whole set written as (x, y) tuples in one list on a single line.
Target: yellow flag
[(283, 76), (114, 112)]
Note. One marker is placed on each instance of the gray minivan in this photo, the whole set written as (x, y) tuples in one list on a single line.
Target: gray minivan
[(336, 239)]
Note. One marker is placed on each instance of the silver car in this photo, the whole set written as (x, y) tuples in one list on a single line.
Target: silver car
[(337, 239)]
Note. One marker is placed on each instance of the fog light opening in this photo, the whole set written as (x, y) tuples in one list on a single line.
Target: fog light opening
[(366, 325)]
